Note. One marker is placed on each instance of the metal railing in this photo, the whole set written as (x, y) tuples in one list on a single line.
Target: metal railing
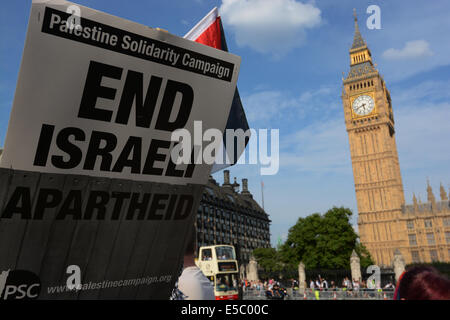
[(325, 294)]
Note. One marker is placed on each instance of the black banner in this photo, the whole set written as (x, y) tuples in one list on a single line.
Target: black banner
[(261, 310), (227, 266), (107, 37)]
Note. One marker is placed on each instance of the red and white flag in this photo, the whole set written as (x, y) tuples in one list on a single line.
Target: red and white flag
[(209, 31)]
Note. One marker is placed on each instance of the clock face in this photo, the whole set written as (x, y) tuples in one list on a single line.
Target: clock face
[(363, 105)]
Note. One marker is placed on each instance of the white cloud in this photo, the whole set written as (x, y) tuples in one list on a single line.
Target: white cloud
[(430, 90), (265, 107), (320, 147), (411, 50), (423, 134), (275, 107), (421, 113), (269, 26)]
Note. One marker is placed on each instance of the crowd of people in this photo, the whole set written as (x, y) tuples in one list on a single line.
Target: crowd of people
[(259, 288), (319, 283), (258, 285), (346, 284), (416, 283), (351, 288)]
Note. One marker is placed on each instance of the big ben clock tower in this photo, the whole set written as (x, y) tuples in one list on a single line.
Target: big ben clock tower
[(371, 132)]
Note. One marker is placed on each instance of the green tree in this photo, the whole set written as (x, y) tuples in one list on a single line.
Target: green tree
[(268, 259), (323, 241)]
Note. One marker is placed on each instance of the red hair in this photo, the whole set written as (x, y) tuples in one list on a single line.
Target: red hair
[(423, 283)]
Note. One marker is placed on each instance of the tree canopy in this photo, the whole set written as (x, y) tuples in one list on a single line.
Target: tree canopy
[(268, 259), (319, 241)]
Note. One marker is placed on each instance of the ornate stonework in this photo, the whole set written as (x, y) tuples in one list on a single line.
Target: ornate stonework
[(398, 263), (301, 277), (382, 214), (355, 266), (252, 269)]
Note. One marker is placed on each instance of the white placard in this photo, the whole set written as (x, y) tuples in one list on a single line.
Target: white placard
[(99, 95)]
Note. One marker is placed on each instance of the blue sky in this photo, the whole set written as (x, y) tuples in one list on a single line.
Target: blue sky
[(293, 55)]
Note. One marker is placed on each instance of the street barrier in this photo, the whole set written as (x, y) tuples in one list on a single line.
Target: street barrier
[(330, 294)]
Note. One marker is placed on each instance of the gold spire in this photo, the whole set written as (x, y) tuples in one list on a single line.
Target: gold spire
[(430, 195), (359, 53), (443, 193), (414, 200), (358, 41)]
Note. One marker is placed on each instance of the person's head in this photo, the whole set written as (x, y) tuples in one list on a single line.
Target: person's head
[(422, 283)]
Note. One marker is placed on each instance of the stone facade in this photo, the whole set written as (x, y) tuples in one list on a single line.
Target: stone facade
[(399, 264), (252, 270), (426, 226), (384, 221), (227, 215), (301, 277), (355, 266)]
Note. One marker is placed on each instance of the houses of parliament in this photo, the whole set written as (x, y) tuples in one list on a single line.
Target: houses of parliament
[(421, 231)]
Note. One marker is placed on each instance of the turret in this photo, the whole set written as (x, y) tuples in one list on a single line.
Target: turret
[(430, 195), (443, 193)]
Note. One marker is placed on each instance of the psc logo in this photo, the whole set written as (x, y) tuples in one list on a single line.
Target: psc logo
[(19, 285)]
